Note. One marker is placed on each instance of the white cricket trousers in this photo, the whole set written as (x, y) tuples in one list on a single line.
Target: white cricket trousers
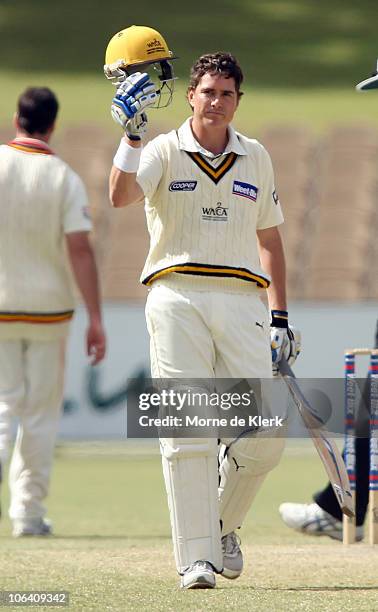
[(206, 329), (31, 389), (198, 329)]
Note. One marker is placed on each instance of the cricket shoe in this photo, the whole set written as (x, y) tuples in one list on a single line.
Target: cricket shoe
[(32, 527), (313, 520), (199, 575), (232, 556)]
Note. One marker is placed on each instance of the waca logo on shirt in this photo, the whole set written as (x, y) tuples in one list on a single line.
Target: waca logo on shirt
[(219, 213)]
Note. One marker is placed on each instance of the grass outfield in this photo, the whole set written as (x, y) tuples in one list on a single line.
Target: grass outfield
[(277, 41), (112, 549), (86, 99)]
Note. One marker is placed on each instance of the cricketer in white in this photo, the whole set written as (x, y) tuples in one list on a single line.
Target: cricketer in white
[(43, 209), (212, 214)]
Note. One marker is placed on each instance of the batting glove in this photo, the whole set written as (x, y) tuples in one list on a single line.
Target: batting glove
[(285, 340), (136, 93), (136, 127)]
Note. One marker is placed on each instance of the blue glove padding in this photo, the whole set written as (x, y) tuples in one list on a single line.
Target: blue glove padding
[(284, 342), (136, 93)]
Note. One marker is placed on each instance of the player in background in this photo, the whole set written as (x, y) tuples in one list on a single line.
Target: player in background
[(44, 213), (323, 516), (212, 215)]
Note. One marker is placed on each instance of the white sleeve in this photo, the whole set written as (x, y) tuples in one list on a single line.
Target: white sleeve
[(270, 213), (76, 217), (150, 168)]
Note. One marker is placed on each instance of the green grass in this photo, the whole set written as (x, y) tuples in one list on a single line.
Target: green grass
[(86, 100), (112, 548), (279, 43)]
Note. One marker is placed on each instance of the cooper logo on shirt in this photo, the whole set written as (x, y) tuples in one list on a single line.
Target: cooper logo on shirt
[(245, 190), (183, 186)]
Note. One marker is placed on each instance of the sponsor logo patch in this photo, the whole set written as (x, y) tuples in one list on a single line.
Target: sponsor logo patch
[(217, 213), (245, 190), (275, 197), (183, 186)]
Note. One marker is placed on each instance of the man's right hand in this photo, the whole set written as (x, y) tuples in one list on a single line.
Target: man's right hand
[(136, 127), (133, 96), (96, 342)]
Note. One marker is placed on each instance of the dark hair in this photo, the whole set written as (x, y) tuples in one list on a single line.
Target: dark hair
[(224, 63), (37, 110)]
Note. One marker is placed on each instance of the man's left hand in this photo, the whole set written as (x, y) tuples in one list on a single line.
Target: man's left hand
[(285, 342)]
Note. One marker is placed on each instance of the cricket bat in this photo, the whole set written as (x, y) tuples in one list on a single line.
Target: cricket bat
[(328, 451)]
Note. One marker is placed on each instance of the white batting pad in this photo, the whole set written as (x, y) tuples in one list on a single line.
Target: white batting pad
[(244, 464), (190, 470)]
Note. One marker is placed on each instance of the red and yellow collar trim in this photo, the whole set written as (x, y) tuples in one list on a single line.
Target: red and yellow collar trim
[(30, 145)]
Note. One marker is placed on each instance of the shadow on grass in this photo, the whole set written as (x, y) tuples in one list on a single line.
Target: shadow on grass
[(311, 588), (111, 537), (119, 538)]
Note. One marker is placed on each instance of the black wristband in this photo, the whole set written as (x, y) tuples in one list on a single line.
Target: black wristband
[(280, 318), (132, 136)]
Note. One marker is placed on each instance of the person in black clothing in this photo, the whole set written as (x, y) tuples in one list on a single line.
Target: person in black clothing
[(324, 516)]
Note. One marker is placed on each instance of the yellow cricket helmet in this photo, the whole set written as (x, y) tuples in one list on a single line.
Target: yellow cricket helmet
[(137, 49), (134, 46)]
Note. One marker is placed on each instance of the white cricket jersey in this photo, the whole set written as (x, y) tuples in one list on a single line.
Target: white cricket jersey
[(41, 199), (203, 210)]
